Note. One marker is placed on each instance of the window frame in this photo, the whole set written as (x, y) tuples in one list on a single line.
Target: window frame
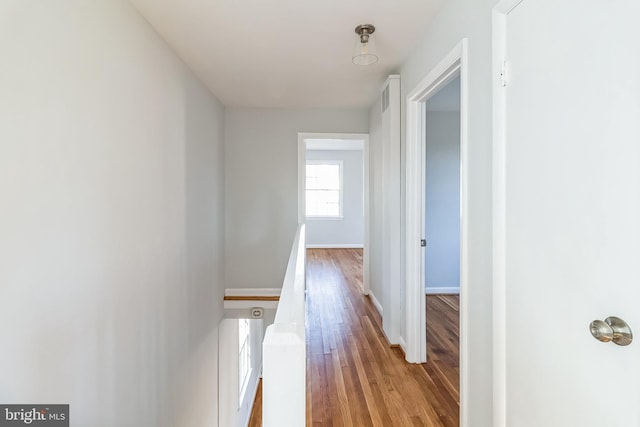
[(340, 215), (244, 355)]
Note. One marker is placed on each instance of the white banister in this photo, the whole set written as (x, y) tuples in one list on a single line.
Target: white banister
[(284, 350)]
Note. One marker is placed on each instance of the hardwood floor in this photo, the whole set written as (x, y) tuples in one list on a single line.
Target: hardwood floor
[(353, 377), (443, 348)]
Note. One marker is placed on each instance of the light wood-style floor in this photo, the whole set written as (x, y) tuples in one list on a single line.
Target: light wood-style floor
[(353, 377)]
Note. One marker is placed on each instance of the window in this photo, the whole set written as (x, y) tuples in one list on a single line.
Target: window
[(244, 357), (324, 188)]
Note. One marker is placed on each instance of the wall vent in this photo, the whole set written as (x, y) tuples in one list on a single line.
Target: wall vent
[(385, 99)]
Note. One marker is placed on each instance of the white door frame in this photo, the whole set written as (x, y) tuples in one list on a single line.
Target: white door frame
[(302, 149), (499, 205), (454, 64)]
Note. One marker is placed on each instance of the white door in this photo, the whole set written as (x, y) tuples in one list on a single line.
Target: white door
[(572, 246)]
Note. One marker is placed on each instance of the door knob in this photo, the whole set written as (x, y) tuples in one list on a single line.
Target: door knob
[(612, 329)]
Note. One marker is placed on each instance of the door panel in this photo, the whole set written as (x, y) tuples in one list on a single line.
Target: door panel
[(572, 211)]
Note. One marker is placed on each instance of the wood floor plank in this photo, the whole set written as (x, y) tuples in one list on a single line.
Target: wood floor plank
[(354, 378)]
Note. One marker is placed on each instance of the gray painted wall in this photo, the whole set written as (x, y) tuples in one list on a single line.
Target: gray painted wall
[(261, 198), (348, 231), (112, 218), (442, 200), (375, 204)]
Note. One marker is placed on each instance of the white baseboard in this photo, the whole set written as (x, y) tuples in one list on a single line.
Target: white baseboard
[(375, 302), (443, 290), (336, 246), (402, 344), (245, 305), (252, 292)]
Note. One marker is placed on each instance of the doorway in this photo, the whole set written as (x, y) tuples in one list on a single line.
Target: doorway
[(333, 186), (441, 263), (442, 191), (450, 75)]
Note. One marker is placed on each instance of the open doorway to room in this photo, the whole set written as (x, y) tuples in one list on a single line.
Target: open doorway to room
[(436, 224), (333, 195), (442, 233)]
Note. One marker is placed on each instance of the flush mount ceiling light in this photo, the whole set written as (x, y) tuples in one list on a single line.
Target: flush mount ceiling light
[(365, 50)]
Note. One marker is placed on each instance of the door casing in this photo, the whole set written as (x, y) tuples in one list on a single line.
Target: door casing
[(498, 191)]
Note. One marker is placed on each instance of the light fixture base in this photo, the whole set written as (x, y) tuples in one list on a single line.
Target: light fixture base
[(364, 30)]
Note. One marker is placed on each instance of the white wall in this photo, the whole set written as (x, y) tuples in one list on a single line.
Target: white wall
[(261, 200), (384, 204), (112, 220), (442, 201), (376, 188), (458, 19), (349, 230)]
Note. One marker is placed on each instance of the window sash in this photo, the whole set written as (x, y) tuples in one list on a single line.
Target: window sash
[(323, 193)]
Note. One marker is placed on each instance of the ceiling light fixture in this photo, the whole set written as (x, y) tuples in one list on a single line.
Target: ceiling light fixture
[(365, 50)]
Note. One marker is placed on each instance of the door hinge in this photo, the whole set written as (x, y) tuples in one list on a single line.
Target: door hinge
[(423, 243), (504, 74)]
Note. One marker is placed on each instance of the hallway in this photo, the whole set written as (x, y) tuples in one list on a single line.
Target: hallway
[(353, 377)]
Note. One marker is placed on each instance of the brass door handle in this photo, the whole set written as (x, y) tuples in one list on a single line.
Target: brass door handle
[(612, 329)]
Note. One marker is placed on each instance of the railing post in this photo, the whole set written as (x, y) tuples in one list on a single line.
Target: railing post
[(284, 371), (284, 379)]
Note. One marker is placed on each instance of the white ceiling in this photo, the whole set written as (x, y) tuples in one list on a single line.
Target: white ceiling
[(288, 53)]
